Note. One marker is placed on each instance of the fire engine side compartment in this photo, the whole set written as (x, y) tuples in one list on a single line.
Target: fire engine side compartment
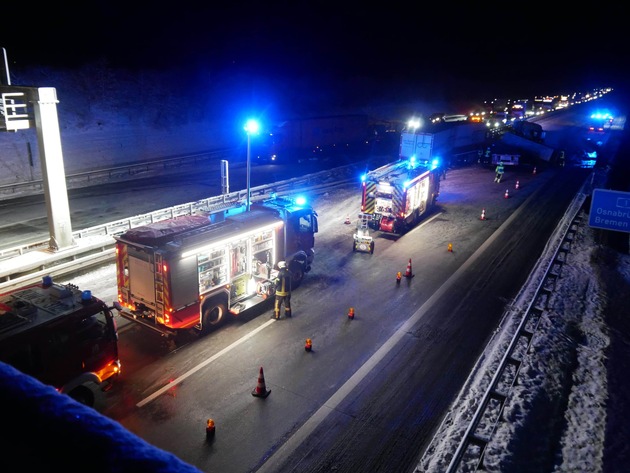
[(184, 281), (141, 265)]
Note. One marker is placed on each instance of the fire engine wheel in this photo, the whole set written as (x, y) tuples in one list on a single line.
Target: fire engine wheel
[(83, 395), (297, 271), (212, 316)]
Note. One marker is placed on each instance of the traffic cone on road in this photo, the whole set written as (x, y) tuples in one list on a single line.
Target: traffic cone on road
[(506, 194), (308, 346), (483, 214), (450, 247), (210, 429), (516, 185), (351, 313), (261, 390), (408, 273)]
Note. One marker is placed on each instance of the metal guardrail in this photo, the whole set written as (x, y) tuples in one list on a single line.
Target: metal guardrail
[(489, 412), (118, 173), (100, 238)]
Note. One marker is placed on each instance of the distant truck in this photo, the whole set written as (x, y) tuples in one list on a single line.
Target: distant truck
[(61, 336), (507, 159), (303, 139), (191, 272), (530, 130), (448, 143), (395, 197)]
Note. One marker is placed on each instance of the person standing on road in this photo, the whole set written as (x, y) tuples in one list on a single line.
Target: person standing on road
[(283, 290), (499, 172)]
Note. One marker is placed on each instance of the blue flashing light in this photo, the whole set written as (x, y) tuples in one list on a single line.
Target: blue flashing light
[(363, 177), (602, 115), (252, 126), (86, 296), (300, 200), (435, 163), (406, 184)]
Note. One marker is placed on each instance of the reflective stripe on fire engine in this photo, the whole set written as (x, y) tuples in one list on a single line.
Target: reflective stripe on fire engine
[(370, 202), (398, 201)]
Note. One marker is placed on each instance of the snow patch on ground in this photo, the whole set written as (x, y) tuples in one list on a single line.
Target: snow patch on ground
[(559, 413)]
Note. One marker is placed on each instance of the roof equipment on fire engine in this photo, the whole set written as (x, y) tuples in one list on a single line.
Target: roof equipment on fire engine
[(408, 273), (516, 186), (483, 214), (261, 389), (351, 313), (210, 429), (450, 247), (398, 277), (506, 194)]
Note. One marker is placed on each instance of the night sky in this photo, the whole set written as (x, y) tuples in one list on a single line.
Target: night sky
[(362, 49)]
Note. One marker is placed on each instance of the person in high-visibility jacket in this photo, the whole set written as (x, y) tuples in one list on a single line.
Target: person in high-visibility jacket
[(283, 290), (499, 172)]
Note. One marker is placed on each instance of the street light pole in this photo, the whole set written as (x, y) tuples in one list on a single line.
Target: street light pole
[(250, 127), (249, 169)]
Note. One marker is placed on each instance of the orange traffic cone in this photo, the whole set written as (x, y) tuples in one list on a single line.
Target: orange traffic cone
[(210, 428), (483, 214), (261, 390), (506, 194), (516, 185), (408, 273), (534, 171), (450, 247), (398, 277), (351, 313), (347, 222), (308, 346)]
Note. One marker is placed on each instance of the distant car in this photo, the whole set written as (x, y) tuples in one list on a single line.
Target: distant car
[(599, 122), (596, 127), (437, 117)]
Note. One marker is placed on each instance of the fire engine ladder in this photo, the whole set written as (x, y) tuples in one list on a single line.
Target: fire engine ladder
[(159, 284)]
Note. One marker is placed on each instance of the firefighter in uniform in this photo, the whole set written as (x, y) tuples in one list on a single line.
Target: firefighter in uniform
[(283, 290)]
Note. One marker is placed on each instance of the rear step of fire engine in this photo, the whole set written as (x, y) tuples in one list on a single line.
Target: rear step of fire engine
[(245, 304)]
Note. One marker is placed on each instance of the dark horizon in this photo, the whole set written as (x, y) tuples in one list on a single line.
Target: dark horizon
[(357, 54)]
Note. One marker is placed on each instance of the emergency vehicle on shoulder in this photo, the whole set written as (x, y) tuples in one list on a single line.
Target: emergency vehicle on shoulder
[(189, 272)]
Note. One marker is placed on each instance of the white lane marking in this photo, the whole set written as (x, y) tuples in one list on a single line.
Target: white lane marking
[(192, 371), (275, 462)]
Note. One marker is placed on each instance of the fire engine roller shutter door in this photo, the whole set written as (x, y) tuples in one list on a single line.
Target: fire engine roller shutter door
[(141, 276), (184, 280)]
